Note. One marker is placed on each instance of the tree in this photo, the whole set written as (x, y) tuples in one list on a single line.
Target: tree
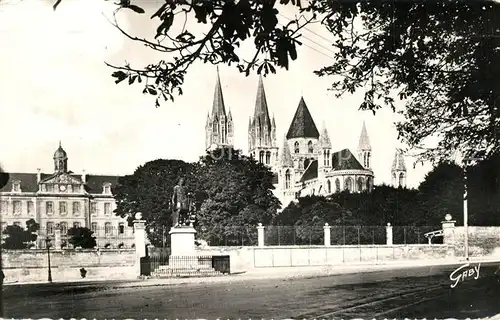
[(439, 58), (149, 191), (18, 238), (82, 237), (237, 195)]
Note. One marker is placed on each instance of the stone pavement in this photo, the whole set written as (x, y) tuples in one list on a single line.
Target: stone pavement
[(277, 273)]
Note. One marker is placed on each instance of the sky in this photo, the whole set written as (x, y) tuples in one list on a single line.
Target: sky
[(55, 86)]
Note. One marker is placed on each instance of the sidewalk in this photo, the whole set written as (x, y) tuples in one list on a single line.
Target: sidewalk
[(269, 273)]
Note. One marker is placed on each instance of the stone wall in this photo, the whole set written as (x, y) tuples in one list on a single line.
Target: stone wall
[(246, 258), (483, 241), (32, 265)]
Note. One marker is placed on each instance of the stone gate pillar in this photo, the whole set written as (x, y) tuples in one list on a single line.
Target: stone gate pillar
[(388, 233), (57, 237), (260, 235), (326, 230), (140, 240)]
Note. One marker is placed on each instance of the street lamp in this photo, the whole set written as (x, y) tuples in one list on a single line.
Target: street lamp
[(466, 223), (47, 243)]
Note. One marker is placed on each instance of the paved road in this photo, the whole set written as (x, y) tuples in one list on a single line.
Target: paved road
[(422, 292)]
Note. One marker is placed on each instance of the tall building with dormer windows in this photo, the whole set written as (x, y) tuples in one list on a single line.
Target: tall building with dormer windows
[(62, 199)]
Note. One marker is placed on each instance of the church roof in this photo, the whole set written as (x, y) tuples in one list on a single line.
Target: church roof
[(29, 183), (324, 139), (399, 162), (345, 160), (364, 141), (302, 125), (311, 172), (218, 107), (261, 110), (285, 155)]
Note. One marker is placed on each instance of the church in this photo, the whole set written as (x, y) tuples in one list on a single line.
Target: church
[(305, 163), (62, 199)]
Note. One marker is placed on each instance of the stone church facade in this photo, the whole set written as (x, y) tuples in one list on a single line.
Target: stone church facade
[(61, 200), (305, 164)]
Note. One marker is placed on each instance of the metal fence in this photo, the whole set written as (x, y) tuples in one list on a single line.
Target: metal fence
[(106, 237), (231, 236)]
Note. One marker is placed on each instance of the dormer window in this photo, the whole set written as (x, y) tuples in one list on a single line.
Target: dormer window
[(16, 186), (106, 188)]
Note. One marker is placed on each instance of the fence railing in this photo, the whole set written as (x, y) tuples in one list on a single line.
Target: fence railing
[(106, 237)]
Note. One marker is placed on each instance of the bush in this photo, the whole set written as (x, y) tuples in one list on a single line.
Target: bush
[(82, 237)]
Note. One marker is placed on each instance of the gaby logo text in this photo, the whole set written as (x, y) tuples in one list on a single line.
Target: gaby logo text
[(464, 272)]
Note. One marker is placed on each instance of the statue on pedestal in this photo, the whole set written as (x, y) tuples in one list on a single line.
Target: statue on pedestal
[(182, 206)]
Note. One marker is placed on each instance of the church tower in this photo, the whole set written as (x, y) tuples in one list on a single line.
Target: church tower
[(365, 148), (60, 160), (286, 174), (262, 131), (398, 170), (219, 128)]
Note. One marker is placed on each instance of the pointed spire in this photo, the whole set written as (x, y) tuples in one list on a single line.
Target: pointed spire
[(273, 123), (364, 141), (218, 107), (229, 115), (60, 145), (285, 155), (208, 120), (302, 125), (399, 162), (324, 139), (261, 110)]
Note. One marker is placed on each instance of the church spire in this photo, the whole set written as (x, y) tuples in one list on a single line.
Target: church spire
[(398, 170), (364, 140), (261, 110), (302, 125), (218, 107), (324, 139)]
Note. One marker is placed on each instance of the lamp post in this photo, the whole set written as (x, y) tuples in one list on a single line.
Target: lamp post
[(47, 243), (466, 213)]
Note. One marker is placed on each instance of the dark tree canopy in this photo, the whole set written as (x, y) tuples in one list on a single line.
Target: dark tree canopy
[(19, 238), (440, 58), (81, 237)]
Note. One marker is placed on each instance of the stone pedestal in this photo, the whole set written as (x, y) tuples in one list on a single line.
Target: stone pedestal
[(57, 238), (140, 241), (182, 241)]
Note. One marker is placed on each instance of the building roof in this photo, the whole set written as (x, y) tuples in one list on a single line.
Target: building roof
[(302, 125), (218, 107), (60, 153), (261, 111), (94, 183), (311, 172), (364, 140), (399, 162), (345, 160), (285, 155)]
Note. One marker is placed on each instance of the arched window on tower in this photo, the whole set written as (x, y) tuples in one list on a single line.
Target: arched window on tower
[(310, 147), (337, 185), (368, 160), (268, 157), (287, 179), (369, 184), (306, 163), (361, 185), (327, 158), (296, 147), (329, 186), (261, 157), (401, 179), (348, 184)]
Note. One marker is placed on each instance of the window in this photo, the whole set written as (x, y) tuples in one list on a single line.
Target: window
[(3, 206), (287, 179), (360, 184), (93, 208), (369, 184), (121, 228), (107, 228), (268, 157), (31, 207), (348, 184), (49, 207), (76, 224), (76, 208), (64, 228), (329, 186), (50, 228), (107, 208), (93, 227), (16, 186), (296, 147), (401, 179), (107, 189), (337, 185), (62, 208), (261, 157), (310, 147), (16, 207), (327, 157)]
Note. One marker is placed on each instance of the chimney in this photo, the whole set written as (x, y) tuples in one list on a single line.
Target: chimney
[(84, 176), (38, 175)]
